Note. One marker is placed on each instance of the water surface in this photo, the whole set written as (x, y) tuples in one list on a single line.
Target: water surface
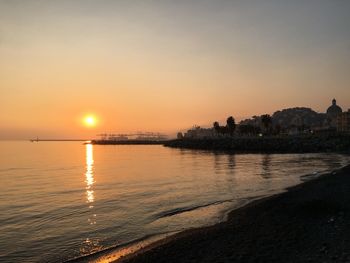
[(62, 200)]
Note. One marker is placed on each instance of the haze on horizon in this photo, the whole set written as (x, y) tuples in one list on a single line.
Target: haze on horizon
[(165, 65)]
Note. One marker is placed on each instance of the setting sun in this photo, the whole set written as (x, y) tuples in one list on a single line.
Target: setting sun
[(90, 121)]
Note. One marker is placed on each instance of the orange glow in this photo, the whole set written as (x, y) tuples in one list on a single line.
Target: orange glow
[(136, 79), (90, 121)]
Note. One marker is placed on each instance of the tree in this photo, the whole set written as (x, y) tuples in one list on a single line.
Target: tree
[(223, 130), (278, 129), (248, 129), (216, 126), (266, 121), (231, 125)]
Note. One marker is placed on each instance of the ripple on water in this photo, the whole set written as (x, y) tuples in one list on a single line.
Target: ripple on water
[(60, 201)]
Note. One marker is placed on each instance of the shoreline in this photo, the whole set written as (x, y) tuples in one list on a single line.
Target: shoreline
[(115, 253), (337, 143), (309, 218)]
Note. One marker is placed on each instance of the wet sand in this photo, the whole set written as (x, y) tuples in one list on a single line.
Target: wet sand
[(308, 223)]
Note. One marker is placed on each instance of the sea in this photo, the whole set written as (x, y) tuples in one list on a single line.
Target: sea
[(78, 202)]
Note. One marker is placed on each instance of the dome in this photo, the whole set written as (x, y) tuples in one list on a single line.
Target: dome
[(334, 109)]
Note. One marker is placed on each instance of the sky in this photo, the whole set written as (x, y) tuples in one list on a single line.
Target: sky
[(165, 65)]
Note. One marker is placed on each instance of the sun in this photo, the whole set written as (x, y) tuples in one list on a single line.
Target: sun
[(90, 121)]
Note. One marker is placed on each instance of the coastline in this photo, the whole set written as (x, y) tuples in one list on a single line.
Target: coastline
[(337, 143), (307, 223)]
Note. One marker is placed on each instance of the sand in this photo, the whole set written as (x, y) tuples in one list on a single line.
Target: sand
[(308, 223)]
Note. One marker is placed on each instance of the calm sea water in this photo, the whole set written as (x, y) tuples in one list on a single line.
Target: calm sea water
[(62, 200)]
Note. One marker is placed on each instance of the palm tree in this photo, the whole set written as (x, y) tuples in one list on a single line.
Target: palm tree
[(216, 126), (231, 125)]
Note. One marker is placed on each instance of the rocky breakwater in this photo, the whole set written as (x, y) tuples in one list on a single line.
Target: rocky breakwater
[(268, 144)]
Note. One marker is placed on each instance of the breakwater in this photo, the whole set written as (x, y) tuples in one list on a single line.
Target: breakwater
[(127, 142), (273, 144)]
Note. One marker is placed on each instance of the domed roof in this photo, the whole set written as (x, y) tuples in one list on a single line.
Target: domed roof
[(334, 109)]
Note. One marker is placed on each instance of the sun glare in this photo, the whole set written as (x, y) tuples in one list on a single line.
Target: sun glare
[(90, 121)]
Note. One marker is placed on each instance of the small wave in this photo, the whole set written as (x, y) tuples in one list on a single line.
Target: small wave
[(113, 253), (308, 177), (185, 209), (180, 210), (317, 174), (69, 168), (15, 169)]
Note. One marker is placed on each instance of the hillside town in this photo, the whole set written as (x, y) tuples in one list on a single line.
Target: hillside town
[(291, 121)]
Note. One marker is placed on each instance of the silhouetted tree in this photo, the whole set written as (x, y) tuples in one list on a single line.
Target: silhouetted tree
[(248, 129), (216, 126), (277, 129), (180, 135), (244, 128), (266, 121), (223, 130), (231, 125)]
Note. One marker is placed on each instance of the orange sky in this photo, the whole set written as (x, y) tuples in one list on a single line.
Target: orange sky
[(165, 66)]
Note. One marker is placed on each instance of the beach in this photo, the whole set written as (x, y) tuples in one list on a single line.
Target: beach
[(308, 223)]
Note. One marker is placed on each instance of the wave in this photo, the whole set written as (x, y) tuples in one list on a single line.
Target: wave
[(314, 175), (185, 209), (180, 210), (113, 253), (15, 169)]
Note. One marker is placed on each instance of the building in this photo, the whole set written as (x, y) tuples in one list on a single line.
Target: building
[(343, 121), (334, 109), (332, 113)]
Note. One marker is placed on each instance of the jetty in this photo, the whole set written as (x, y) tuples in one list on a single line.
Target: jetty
[(138, 138), (58, 140)]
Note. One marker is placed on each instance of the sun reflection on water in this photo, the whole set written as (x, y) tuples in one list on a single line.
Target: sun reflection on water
[(90, 244), (89, 175), (89, 180)]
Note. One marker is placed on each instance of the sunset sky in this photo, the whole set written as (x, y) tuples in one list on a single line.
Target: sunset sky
[(165, 65)]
